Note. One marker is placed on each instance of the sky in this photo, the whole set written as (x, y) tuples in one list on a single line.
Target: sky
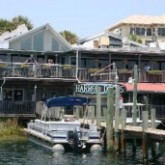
[(82, 17)]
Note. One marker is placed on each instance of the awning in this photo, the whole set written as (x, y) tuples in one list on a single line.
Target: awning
[(146, 87)]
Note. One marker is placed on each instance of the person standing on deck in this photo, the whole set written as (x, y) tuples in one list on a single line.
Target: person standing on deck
[(32, 67), (147, 67), (31, 60)]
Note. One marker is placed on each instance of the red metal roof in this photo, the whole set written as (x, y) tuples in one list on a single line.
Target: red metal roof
[(146, 87)]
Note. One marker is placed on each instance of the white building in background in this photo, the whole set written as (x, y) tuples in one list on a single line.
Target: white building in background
[(6, 36), (108, 40), (147, 28)]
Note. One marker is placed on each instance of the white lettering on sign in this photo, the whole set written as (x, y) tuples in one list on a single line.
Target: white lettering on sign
[(91, 88)]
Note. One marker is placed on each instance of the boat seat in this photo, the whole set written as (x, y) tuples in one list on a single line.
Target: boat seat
[(69, 118), (84, 125)]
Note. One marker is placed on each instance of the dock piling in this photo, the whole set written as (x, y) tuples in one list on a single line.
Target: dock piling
[(109, 120), (153, 117), (98, 105), (116, 127), (123, 124), (134, 106), (122, 138), (144, 135)]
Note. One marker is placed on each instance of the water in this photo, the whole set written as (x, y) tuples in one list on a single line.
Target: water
[(19, 151)]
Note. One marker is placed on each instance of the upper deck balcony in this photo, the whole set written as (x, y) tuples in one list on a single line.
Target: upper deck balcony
[(37, 70), (69, 71)]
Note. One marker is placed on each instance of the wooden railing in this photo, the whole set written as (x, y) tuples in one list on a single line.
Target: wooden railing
[(17, 108), (69, 71), (159, 110), (36, 70), (154, 76), (30, 109)]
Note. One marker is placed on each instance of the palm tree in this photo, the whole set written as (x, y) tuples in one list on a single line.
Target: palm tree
[(5, 25), (22, 20), (69, 36)]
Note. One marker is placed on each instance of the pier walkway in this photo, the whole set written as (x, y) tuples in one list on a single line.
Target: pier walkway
[(154, 133)]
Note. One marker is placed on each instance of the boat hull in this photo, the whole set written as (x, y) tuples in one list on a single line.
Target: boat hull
[(68, 134)]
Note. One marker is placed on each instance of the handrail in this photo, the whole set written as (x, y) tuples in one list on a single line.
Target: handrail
[(44, 70)]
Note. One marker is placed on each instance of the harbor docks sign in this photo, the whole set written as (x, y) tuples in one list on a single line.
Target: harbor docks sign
[(90, 88)]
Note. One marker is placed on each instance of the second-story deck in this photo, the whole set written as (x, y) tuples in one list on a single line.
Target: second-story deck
[(83, 74), (68, 72)]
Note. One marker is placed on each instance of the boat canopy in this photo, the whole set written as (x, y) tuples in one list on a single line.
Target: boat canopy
[(66, 101)]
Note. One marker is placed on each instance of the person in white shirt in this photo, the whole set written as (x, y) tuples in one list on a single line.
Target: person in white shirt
[(147, 67)]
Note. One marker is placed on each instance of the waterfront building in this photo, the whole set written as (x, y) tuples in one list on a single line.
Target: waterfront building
[(147, 28), (25, 86), (108, 40)]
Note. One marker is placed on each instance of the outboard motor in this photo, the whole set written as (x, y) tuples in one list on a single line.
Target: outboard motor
[(77, 143)]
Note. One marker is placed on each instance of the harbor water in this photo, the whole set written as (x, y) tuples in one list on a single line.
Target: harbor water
[(20, 151)]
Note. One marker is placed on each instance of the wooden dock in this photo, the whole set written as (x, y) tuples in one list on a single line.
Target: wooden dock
[(152, 133), (117, 129)]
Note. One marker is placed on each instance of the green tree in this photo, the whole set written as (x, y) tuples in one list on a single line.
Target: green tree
[(22, 20), (69, 36), (6, 25)]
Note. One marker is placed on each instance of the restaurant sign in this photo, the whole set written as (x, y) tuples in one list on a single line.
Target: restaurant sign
[(91, 88)]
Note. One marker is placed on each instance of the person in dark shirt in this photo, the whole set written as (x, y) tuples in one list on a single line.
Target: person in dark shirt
[(32, 65), (31, 60)]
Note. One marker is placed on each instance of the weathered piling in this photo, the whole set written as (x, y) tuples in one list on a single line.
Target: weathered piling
[(144, 135), (153, 117), (98, 105), (122, 137), (134, 105), (116, 127), (109, 120), (91, 113), (135, 94), (153, 143), (154, 148), (76, 112), (145, 99)]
